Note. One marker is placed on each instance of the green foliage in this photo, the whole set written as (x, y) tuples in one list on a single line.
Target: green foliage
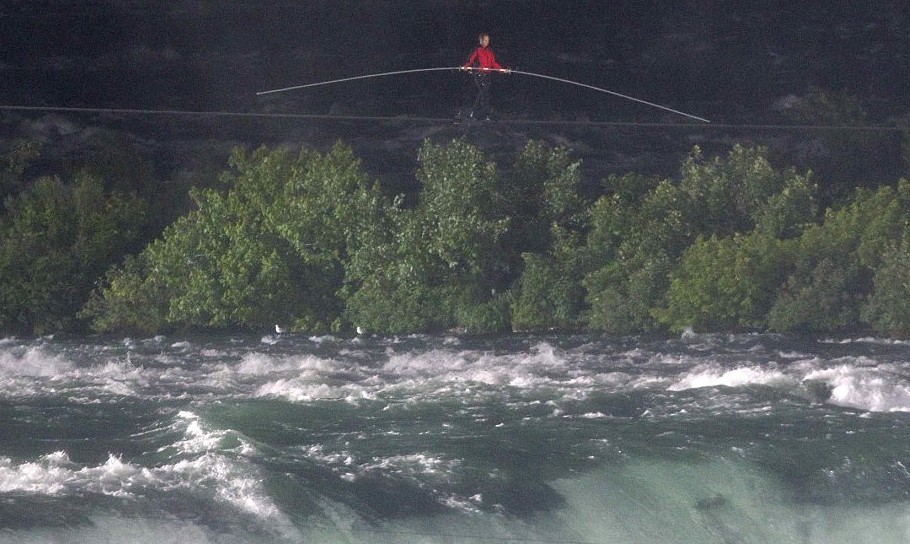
[(817, 299), (55, 240), (621, 294), (548, 217), (887, 310), (124, 164), (480, 312), (615, 222), (458, 206), (540, 192), (640, 235), (430, 265), (131, 298), (742, 192), (549, 293), (449, 262), (533, 307), (392, 282), (786, 213), (521, 199), (633, 233), (268, 250), (815, 282), (726, 283), (222, 267), (306, 241), (837, 259)]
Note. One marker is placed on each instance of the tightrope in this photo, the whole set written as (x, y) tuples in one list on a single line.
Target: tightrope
[(392, 119)]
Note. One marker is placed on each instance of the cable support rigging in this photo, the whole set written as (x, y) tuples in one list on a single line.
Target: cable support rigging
[(425, 119)]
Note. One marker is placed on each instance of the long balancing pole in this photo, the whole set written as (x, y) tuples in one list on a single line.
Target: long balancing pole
[(627, 97), (342, 80), (520, 72)]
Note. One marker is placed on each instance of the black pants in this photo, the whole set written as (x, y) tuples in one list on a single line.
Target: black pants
[(481, 107)]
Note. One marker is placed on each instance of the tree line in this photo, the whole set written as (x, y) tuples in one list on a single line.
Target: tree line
[(307, 240)]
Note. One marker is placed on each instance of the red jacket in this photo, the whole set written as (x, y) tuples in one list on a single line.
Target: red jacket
[(484, 58)]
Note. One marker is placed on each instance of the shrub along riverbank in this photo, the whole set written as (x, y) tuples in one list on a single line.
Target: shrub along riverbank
[(307, 240)]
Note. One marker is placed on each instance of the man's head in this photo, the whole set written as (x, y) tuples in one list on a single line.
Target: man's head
[(483, 39)]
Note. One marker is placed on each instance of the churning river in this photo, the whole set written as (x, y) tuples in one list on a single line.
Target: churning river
[(519, 439)]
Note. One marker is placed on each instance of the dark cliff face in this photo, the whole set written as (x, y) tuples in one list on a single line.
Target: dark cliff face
[(217, 53), (730, 63)]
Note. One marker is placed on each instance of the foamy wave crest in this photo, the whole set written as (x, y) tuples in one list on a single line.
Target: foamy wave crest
[(305, 389), (35, 371), (715, 376), (196, 439), (442, 369), (216, 459), (32, 361), (201, 464), (231, 483), (204, 465), (304, 378), (256, 364), (866, 340), (116, 377), (415, 374), (55, 474), (868, 389)]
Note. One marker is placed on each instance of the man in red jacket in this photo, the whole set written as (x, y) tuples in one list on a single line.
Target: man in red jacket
[(483, 62)]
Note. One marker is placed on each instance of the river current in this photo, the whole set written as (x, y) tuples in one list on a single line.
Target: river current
[(425, 439)]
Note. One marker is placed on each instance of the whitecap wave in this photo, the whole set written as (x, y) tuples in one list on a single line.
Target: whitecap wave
[(55, 474), (200, 463), (714, 376), (442, 372), (866, 340), (32, 361), (263, 364), (305, 389), (870, 389)]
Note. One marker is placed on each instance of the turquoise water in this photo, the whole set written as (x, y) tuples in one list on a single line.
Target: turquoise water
[(286, 439)]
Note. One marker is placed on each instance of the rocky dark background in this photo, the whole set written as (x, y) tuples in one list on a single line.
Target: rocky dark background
[(741, 64)]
